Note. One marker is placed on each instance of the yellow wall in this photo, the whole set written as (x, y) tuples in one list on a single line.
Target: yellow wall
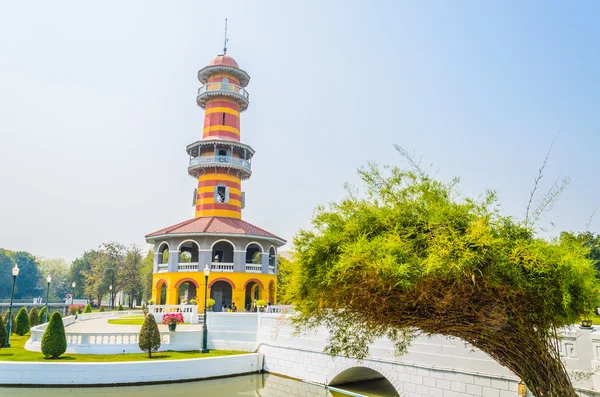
[(173, 280)]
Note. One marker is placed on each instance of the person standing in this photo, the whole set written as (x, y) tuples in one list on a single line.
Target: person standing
[(269, 309)]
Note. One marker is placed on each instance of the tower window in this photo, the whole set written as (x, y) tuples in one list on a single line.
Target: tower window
[(223, 118), (221, 194), (222, 152)]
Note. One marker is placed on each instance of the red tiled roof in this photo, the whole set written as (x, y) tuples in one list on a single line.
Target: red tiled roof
[(215, 225)]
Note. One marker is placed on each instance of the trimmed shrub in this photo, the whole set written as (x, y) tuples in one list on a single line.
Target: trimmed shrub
[(149, 339), (101, 309), (54, 341), (34, 319), (42, 315), (12, 323), (3, 333), (22, 325), (120, 308), (88, 308)]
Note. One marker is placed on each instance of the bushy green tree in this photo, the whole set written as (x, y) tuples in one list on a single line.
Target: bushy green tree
[(120, 308), (42, 315), (54, 341), (3, 333), (22, 325), (101, 309), (149, 339), (411, 256), (284, 279), (34, 319), (12, 323), (88, 308)]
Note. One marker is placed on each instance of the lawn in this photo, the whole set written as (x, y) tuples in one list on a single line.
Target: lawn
[(17, 353), (127, 320)]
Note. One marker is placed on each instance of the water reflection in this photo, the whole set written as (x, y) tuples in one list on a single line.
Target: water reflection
[(250, 385)]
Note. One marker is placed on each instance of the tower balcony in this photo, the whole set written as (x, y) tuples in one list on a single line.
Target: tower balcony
[(223, 89), (201, 162)]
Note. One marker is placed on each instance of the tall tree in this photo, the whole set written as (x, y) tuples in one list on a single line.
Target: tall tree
[(438, 264), (29, 274), (58, 268), (284, 279), (79, 268), (129, 273), (103, 271), (146, 271), (6, 265)]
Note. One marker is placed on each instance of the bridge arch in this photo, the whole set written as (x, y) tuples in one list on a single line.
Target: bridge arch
[(361, 371)]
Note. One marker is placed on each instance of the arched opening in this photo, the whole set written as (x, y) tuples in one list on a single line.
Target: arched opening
[(253, 254), (163, 254), (252, 293), (364, 380), (161, 292), (188, 252), (223, 252), (186, 291), (272, 259), (220, 291)]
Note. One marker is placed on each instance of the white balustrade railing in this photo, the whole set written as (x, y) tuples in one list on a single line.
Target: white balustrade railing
[(224, 87), (190, 312), (253, 268), (221, 159), (163, 267), (271, 269), (188, 267), (221, 267)]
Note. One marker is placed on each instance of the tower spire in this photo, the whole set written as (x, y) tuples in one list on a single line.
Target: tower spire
[(226, 39)]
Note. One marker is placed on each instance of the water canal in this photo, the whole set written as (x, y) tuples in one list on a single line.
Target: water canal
[(250, 385)]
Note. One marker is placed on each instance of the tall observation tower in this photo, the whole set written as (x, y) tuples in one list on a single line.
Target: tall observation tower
[(242, 257)]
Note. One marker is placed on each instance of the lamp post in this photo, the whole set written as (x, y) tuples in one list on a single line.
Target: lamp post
[(112, 301), (48, 280), (204, 329), (73, 284), (15, 273)]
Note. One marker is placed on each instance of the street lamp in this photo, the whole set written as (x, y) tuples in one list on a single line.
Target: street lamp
[(73, 284), (204, 329), (48, 280), (112, 301), (15, 273)]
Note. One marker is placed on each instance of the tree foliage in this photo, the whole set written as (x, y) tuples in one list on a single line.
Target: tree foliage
[(22, 325), (88, 308), (34, 319), (410, 256), (54, 340), (3, 332), (149, 339), (58, 268), (284, 279), (42, 315)]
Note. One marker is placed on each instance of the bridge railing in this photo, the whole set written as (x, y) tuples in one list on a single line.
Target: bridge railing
[(190, 312)]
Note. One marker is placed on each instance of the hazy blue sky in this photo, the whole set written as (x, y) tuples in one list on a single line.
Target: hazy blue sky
[(97, 104)]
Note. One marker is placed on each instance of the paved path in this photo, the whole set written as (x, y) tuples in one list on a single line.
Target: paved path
[(101, 325)]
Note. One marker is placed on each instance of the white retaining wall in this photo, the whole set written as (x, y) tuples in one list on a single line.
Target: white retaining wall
[(46, 373)]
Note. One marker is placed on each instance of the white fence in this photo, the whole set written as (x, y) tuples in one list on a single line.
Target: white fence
[(190, 312)]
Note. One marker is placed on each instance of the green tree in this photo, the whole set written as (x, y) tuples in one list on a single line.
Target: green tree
[(101, 309), (79, 271), (29, 274), (12, 322), (88, 308), (149, 339), (34, 319), (130, 273), (22, 325), (120, 308), (58, 268), (104, 271), (54, 340), (146, 275), (6, 265), (284, 279), (410, 256), (3, 333), (42, 315)]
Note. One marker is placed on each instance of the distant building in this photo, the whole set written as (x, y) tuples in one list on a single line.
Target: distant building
[(242, 257)]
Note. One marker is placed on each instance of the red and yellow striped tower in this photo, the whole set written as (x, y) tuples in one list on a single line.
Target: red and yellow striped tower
[(220, 161)]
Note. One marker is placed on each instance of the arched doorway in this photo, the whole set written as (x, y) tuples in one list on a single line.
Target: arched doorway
[(253, 254), (163, 254), (252, 293), (272, 259), (220, 291), (188, 252), (186, 291), (161, 292)]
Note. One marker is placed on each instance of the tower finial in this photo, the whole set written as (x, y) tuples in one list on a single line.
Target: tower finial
[(226, 39)]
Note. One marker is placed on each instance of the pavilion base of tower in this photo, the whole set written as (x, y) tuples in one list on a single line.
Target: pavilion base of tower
[(242, 259)]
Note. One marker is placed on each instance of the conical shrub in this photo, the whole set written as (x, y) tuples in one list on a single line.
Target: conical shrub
[(12, 323), (22, 325), (88, 308), (3, 333), (149, 339), (34, 319), (101, 309), (42, 315), (120, 308), (54, 341)]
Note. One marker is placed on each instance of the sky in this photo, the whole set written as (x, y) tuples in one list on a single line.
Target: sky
[(97, 105)]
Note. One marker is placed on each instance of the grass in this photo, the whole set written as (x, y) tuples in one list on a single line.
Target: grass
[(17, 352), (128, 320)]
